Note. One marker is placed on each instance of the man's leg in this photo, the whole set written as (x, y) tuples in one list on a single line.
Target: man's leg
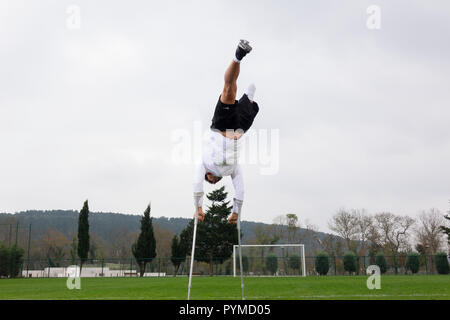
[(232, 73), (230, 88), (251, 92)]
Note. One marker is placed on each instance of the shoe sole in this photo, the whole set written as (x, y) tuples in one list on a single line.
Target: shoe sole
[(244, 44)]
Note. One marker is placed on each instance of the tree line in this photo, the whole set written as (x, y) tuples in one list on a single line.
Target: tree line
[(357, 233), (386, 234)]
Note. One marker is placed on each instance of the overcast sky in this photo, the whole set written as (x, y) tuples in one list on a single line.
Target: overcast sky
[(92, 112)]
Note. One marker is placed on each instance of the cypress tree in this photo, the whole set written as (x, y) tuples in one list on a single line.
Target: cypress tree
[(83, 234), (144, 249)]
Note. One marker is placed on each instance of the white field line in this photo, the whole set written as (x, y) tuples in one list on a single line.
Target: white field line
[(263, 298), (284, 297)]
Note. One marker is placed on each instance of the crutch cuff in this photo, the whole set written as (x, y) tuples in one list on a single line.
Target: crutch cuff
[(237, 206), (198, 199)]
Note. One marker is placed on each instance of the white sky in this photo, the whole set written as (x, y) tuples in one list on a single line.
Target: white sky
[(363, 115)]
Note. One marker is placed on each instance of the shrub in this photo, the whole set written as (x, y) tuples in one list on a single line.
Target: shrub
[(272, 263), (441, 261), (322, 263), (380, 261), (412, 262), (350, 262)]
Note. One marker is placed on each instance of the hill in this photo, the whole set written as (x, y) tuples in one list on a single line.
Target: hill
[(106, 225)]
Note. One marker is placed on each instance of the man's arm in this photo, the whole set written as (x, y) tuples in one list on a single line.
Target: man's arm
[(198, 188)]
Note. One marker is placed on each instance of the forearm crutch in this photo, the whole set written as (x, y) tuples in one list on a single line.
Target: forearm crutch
[(240, 255), (197, 197)]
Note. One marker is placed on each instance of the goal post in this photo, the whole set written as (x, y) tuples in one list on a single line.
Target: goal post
[(284, 252)]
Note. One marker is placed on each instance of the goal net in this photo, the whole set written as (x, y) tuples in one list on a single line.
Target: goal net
[(270, 260)]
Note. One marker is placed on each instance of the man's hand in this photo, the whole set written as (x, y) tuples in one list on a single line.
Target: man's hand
[(233, 218), (201, 215)]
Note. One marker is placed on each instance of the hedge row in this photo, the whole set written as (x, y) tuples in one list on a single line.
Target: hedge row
[(322, 262)]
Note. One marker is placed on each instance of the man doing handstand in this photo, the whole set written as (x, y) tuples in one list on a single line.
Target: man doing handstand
[(232, 118)]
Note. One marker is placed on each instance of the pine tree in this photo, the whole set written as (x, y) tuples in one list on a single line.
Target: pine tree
[(83, 234), (215, 236), (144, 249)]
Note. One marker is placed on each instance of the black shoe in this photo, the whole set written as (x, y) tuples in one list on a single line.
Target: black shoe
[(242, 49)]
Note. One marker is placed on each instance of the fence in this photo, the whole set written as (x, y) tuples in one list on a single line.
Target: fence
[(253, 266)]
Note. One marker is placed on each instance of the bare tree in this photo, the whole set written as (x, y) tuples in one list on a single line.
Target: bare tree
[(394, 231), (364, 223), (163, 245), (54, 246), (375, 241), (345, 224), (293, 226), (428, 232), (331, 244), (286, 228), (266, 234), (121, 244), (97, 247), (277, 228), (309, 236)]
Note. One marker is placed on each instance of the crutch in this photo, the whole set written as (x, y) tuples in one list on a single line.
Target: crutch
[(240, 255), (197, 197)]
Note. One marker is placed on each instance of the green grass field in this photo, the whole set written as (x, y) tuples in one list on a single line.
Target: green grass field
[(228, 288)]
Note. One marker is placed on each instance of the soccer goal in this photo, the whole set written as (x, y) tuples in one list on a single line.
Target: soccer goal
[(271, 260)]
